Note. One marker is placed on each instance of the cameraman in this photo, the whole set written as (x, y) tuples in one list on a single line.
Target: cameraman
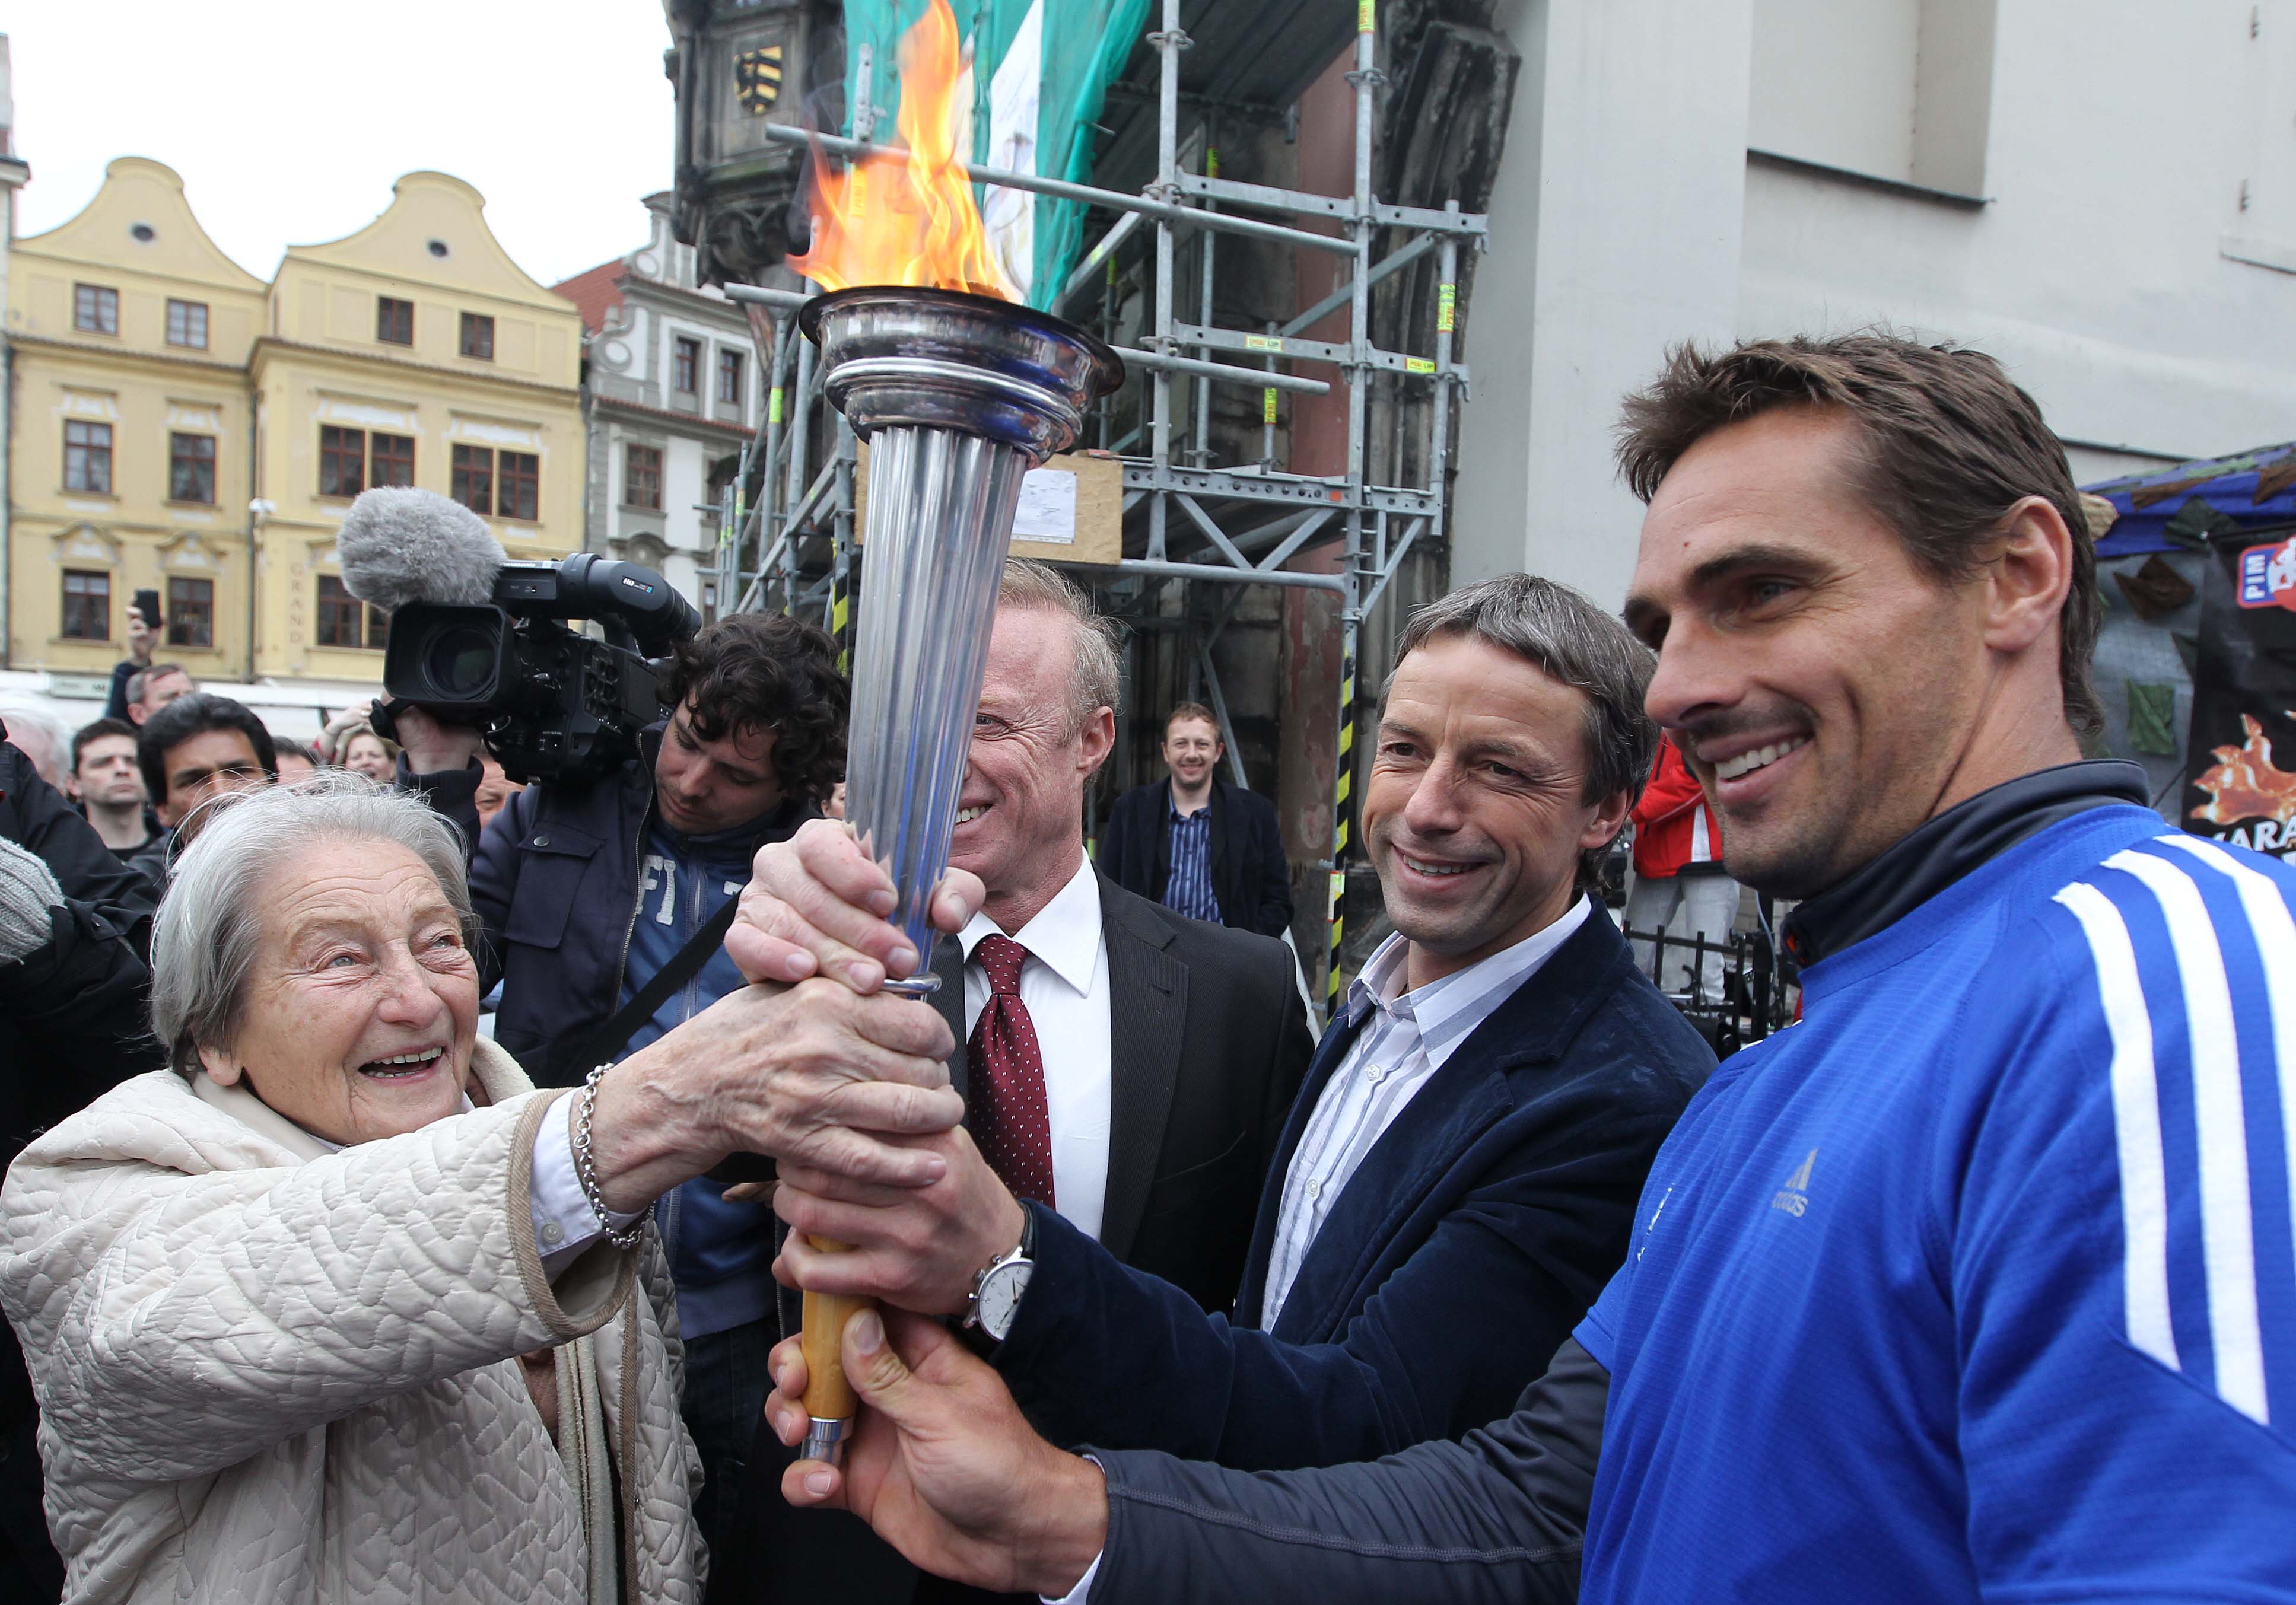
[(605, 907)]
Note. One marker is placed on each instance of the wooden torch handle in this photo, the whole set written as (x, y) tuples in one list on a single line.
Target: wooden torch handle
[(828, 1396)]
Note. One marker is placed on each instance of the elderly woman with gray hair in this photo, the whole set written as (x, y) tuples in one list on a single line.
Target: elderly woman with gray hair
[(339, 1306)]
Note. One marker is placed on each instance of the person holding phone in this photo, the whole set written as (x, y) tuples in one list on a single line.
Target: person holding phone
[(143, 635)]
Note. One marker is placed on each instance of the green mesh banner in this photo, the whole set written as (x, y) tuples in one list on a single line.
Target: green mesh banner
[(1040, 69)]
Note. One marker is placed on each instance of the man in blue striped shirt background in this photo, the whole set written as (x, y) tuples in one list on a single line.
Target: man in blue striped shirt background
[(1188, 822), (1195, 843)]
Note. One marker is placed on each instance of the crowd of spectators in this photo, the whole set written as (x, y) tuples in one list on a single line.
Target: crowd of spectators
[(135, 777), (413, 1178)]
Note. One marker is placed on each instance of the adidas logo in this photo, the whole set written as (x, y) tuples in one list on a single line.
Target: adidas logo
[(1794, 1198), (1653, 1221)]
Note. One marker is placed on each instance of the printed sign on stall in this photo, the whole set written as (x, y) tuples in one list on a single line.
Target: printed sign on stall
[(2267, 576), (2241, 759)]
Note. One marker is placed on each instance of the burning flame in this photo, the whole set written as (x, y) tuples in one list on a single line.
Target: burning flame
[(908, 219), (2245, 784)]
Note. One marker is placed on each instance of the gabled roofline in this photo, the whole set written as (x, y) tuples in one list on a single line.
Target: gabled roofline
[(114, 169), (330, 253)]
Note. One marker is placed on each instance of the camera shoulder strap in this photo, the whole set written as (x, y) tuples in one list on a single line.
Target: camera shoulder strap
[(605, 1042)]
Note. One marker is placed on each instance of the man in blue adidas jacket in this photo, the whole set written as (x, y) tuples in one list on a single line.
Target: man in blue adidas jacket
[(1978, 1284)]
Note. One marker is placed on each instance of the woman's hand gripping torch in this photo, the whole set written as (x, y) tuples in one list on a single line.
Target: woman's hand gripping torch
[(817, 905), (959, 396)]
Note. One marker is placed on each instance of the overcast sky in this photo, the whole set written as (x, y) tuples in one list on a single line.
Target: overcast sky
[(289, 119)]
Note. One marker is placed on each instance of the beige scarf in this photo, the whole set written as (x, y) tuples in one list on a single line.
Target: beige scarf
[(581, 1435)]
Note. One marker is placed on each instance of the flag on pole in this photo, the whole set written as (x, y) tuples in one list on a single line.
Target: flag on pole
[(1038, 71)]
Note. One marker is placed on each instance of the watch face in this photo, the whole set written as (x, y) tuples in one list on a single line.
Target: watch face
[(1000, 1297)]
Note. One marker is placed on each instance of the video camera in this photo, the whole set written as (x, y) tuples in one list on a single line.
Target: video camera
[(479, 640), (554, 705)]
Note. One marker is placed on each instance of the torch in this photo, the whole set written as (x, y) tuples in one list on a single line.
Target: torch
[(958, 396)]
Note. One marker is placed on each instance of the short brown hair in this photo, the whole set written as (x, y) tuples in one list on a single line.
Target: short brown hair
[(773, 671), (1951, 444), (91, 734), (1191, 710), (1569, 639)]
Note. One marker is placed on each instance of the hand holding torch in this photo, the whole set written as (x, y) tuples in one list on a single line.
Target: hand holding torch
[(958, 396)]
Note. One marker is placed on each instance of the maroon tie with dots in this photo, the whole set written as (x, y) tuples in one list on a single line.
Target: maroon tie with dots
[(1010, 1124)]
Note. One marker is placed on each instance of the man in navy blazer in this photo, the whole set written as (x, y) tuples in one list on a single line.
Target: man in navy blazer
[(1455, 1184)]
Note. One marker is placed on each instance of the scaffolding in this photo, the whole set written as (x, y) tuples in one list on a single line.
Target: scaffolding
[(1192, 521)]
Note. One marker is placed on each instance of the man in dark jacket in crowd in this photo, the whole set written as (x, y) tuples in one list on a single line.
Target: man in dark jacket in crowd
[(1124, 1068), (75, 923), (110, 788), (193, 748), (1196, 844), (589, 891)]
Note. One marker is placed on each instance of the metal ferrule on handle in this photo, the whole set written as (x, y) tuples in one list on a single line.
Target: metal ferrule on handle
[(829, 1398)]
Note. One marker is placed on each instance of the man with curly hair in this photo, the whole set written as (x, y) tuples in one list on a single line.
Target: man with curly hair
[(589, 891)]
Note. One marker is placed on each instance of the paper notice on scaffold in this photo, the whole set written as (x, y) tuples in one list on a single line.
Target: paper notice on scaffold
[(1048, 507)]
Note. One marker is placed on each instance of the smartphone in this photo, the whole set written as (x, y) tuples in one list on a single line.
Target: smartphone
[(147, 603)]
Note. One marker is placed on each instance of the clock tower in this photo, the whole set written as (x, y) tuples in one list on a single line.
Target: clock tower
[(739, 65)]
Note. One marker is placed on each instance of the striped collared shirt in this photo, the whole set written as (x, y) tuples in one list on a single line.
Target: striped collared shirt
[(1188, 888), (1393, 1056)]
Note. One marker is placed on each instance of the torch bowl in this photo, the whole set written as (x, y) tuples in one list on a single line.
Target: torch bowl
[(944, 359)]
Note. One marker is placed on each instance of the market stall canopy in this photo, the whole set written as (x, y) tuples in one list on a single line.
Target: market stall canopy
[(2181, 508)]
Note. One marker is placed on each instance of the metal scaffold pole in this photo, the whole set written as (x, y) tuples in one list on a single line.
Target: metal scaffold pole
[(1190, 519), (840, 552), (1359, 381), (801, 439), (1169, 42)]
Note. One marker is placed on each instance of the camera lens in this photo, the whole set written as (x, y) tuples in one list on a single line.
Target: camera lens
[(460, 663)]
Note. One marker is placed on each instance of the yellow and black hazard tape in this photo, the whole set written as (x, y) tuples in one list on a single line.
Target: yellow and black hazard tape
[(1342, 786), (840, 610)]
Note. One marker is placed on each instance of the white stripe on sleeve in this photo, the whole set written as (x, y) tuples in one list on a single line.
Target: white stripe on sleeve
[(2227, 1244), (2276, 945), (2136, 1123)]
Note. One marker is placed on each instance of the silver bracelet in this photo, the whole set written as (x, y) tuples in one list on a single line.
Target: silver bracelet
[(586, 1167)]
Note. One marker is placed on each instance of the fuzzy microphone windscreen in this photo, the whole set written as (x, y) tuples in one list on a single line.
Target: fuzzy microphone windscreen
[(398, 544)]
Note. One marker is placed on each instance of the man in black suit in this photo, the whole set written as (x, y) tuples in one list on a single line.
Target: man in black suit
[(1126, 1069), (1457, 1179), (1196, 844)]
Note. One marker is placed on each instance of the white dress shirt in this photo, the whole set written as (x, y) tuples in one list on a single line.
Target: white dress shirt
[(1392, 1057), (1064, 987), (564, 1222)]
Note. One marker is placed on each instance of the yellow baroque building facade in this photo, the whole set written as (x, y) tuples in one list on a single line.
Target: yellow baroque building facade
[(182, 426)]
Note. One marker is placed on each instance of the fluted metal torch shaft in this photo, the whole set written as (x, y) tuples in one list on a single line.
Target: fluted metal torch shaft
[(959, 395)]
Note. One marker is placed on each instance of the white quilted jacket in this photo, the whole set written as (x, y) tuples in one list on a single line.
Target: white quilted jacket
[(267, 1372)]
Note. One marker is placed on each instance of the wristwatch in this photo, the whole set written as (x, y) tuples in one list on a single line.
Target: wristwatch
[(997, 1291)]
